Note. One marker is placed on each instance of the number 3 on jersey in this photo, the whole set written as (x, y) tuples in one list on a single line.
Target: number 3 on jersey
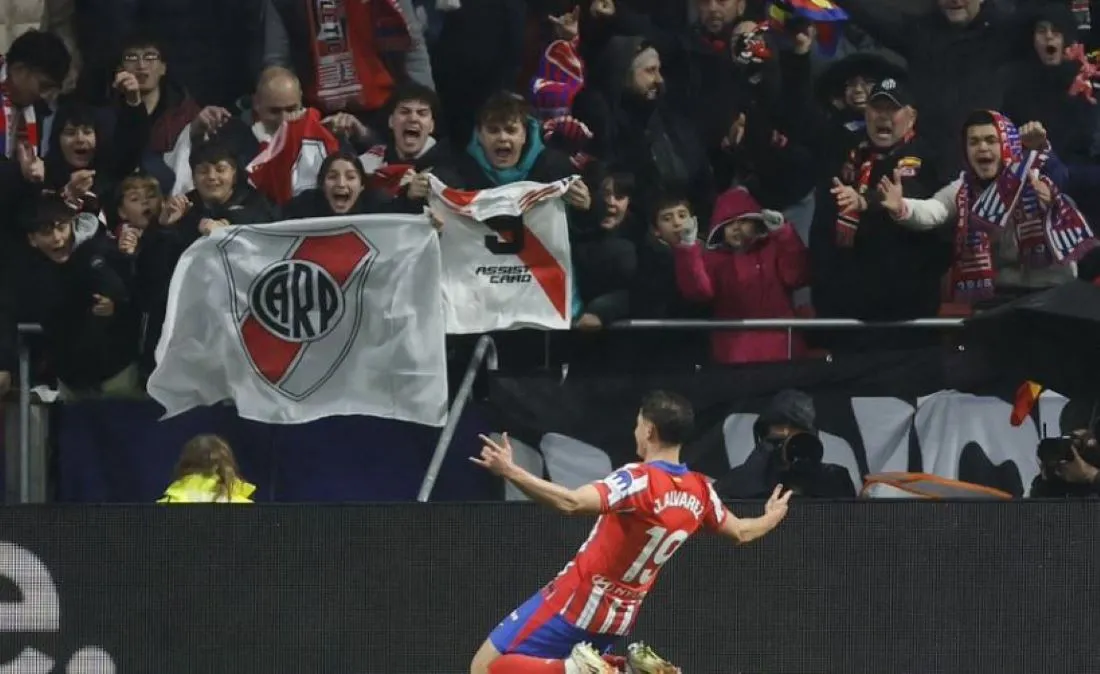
[(508, 239), (659, 549)]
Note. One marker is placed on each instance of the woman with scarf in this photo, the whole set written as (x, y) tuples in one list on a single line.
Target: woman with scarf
[(342, 189), (1015, 231)]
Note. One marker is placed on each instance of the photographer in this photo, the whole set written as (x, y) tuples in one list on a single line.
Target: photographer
[(73, 282), (1069, 466), (788, 452)]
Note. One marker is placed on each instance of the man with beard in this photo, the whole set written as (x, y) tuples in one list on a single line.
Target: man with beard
[(401, 166), (625, 106), (697, 69), (864, 265)]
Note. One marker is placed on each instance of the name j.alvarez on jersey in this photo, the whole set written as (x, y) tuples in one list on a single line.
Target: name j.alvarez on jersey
[(679, 499), (506, 274)]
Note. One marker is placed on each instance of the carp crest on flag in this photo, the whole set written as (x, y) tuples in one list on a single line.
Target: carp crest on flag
[(298, 317)]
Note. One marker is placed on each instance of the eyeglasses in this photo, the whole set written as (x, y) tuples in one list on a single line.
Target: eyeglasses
[(133, 59)]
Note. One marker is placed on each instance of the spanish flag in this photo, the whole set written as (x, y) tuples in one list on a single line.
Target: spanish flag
[(1026, 397)]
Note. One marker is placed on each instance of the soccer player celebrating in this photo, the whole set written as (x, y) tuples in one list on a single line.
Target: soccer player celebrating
[(646, 512)]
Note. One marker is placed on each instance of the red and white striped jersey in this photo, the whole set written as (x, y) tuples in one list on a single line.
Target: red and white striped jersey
[(648, 511)]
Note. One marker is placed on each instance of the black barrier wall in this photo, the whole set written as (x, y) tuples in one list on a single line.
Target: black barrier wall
[(860, 588)]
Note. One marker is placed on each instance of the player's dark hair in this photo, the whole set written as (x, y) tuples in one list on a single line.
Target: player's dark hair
[(671, 414), (41, 52)]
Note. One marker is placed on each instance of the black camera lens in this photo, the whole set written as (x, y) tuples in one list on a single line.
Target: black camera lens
[(1055, 450), (803, 449)]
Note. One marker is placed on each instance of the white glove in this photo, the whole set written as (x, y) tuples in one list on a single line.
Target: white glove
[(690, 233), (773, 220)]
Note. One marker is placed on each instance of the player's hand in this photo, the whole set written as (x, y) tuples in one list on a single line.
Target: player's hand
[(776, 507), (496, 457)]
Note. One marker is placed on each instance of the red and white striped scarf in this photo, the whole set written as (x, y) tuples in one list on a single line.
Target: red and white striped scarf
[(10, 118)]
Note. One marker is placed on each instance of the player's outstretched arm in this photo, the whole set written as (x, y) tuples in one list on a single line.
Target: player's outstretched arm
[(748, 529), (497, 457)]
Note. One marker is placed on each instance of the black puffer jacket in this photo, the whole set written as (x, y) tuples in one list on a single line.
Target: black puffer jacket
[(953, 70)]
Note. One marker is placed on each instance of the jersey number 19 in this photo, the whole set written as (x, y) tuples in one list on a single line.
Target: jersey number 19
[(660, 547)]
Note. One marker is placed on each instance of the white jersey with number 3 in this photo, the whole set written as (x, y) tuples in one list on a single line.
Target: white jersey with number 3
[(506, 259)]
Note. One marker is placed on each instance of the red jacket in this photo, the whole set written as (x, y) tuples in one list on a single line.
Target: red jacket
[(755, 282)]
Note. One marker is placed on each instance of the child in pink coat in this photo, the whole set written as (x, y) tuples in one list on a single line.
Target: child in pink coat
[(751, 263)]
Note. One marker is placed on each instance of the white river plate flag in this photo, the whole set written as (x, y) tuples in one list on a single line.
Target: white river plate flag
[(304, 319)]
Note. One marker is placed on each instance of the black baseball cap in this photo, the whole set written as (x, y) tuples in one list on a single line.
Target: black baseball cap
[(892, 89)]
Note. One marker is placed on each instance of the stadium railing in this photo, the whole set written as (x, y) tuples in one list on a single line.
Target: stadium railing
[(484, 353)]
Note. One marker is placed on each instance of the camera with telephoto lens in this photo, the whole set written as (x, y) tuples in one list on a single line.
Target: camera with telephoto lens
[(1053, 451), (802, 452)]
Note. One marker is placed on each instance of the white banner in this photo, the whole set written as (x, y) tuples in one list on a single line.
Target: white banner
[(298, 320), (949, 429), (506, 257)]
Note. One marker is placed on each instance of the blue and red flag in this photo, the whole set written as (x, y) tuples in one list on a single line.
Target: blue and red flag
[(824, 14)]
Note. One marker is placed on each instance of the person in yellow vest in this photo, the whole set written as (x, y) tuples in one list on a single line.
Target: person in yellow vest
[(207, 472)]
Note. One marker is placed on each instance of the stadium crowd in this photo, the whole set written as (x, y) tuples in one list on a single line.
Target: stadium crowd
[(740, 159)]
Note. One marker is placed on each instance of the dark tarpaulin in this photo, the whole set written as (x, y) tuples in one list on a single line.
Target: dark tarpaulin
[(1052, 338)]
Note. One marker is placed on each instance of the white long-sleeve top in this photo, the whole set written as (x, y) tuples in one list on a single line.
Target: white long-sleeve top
[(922, 215), (940, 209)]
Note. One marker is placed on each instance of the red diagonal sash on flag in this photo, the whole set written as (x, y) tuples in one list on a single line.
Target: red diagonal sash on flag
[(340, 255), (547, 271)]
